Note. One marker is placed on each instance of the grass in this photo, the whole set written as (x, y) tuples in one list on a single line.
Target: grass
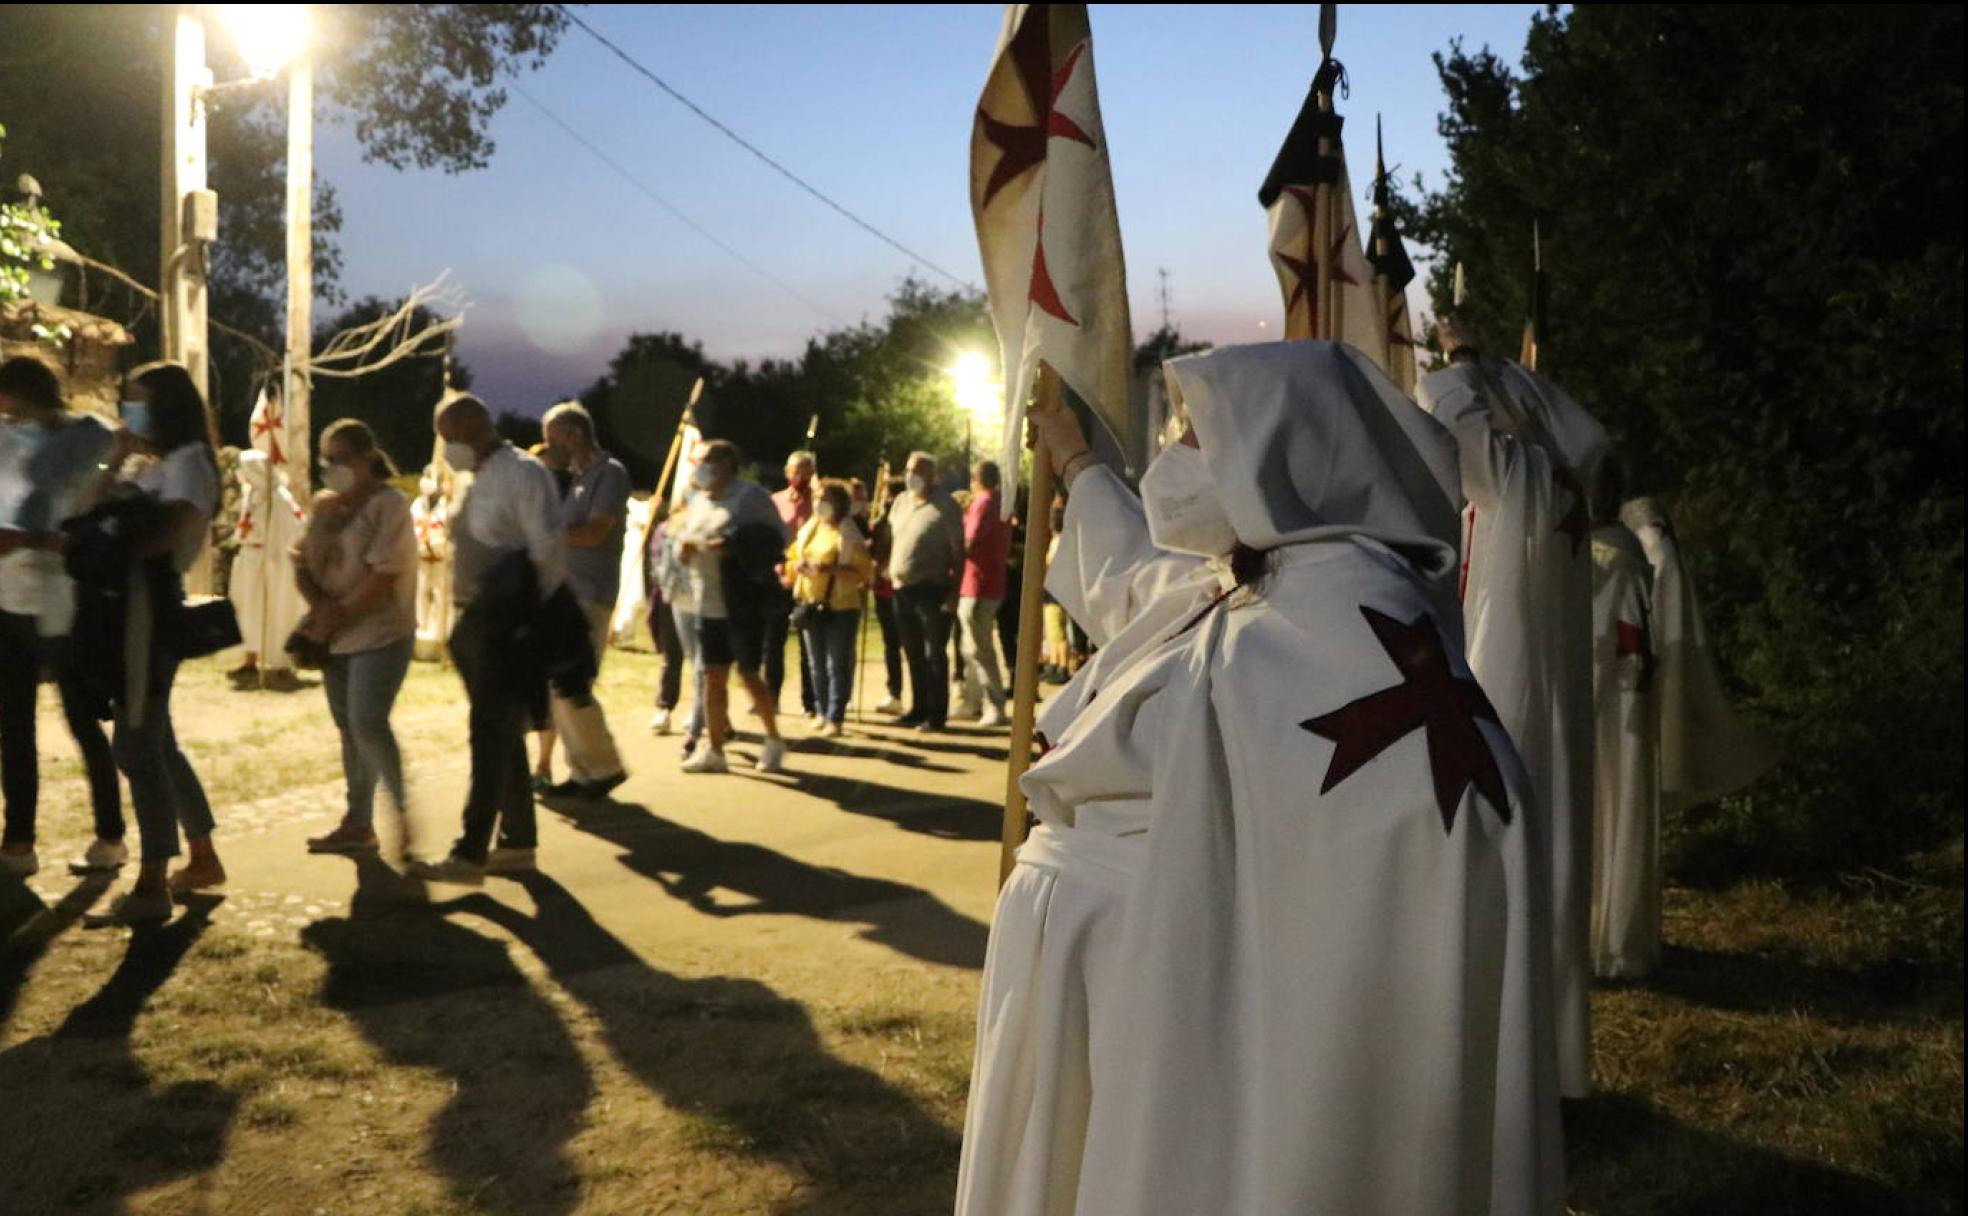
[(1800, 1051)]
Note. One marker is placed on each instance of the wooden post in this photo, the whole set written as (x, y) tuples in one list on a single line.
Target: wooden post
[(676, 441), (300, 268), (1031, 632)]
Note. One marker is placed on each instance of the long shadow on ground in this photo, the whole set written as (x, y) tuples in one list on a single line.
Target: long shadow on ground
[(430, 994), (696, 867), (746, 1061), (1778, 982), (24, 949), (1626, 1157), (102, 1131), (946, 818)]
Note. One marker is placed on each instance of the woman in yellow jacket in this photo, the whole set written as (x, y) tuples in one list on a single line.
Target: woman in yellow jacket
[(831, 571)]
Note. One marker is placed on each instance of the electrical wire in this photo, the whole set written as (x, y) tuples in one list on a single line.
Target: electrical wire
[(754, 149)]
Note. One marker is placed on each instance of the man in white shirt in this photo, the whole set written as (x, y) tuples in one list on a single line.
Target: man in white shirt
[(512, 506)]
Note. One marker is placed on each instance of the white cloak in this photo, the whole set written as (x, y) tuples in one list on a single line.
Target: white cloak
[(1096, 1064), (1054, 946), (1706, 751), (1527, 609), (262, 589), (1626, 868), (630, 622), (432, 522)]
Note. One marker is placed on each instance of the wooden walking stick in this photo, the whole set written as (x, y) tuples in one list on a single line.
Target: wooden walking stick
[(1031, 632)]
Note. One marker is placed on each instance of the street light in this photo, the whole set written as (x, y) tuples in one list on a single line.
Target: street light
[(979, 396), (267, 36)]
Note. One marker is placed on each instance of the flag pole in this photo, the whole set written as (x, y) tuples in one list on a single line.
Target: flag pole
[(676, 440), (1031, 631)]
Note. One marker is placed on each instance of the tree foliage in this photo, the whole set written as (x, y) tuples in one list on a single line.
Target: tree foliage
[(79, 91), (1752, 228)]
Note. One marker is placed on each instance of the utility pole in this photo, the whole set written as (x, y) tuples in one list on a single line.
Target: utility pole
[(1162, 292), (181, 261), (300, 263)]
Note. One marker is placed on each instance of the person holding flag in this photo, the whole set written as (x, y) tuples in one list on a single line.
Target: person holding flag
[(1529, 454)]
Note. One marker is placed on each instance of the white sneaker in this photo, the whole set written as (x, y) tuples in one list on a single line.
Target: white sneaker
[(834, 730), (660, 723), (890, 706), (772, 759), (511, 861), (994, 715), (22, 864), (966, 713), (101, 857), (706, 759)]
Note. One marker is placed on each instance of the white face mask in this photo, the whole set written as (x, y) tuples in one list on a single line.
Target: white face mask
[(460, 456), (1185, 514), (427, 486), (824, 512), (338, 477), (703, 477), (918, 484)]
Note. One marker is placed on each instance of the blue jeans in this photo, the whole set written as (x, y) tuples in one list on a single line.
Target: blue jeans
[(830, 662), (691, 634), (164, 791), (362, 689)]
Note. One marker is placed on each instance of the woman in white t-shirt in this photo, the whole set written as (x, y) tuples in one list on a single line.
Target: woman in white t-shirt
[(166, 417)]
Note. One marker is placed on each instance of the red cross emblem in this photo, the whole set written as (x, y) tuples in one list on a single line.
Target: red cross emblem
[(1430, 697), (1024, 144), (1306, 270)]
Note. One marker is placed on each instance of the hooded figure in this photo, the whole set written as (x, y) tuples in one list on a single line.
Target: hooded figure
[(1626, 876), (430, 517), (1314, 986), (1706, 751), (262, 590), (1529, 455)]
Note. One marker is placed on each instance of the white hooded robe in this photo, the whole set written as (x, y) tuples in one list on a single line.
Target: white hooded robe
[(1312, 1000), (1527, 606), (1706, 751), (262, 588), (1626, 873)]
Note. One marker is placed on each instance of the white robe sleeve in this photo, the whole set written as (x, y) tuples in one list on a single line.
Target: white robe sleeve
[(1626, 875), (1105, 569)]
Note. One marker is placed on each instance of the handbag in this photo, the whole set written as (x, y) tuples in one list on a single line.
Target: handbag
[(207, 625), (806, 616)]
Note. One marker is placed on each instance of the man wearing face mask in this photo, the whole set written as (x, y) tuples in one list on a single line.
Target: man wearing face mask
[(594, 514), (1266, 950), (511, 510), (796, 505), (51, 468), (925, 561)]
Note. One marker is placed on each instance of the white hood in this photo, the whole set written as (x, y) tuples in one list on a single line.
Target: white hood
[(1310, 440), (1556, 421)]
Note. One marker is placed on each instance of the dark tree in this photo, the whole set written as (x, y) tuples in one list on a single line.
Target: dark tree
[(1753, 230), (396, 401)]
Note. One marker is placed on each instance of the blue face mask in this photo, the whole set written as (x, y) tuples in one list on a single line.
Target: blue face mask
[(136, 417)]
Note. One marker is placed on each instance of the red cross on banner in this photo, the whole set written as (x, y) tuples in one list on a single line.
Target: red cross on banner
[(269, 427), (1042, 195)]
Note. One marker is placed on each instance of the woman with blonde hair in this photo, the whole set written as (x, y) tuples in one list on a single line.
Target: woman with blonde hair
[(831, 568), (357, 567)]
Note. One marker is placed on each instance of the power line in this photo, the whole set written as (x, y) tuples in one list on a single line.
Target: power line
[(673, 209), (746, 144)]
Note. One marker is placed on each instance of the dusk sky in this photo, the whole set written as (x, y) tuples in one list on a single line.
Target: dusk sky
[(562, 258)]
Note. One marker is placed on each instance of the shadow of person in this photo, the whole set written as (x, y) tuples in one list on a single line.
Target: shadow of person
[(1625, 1156), (849, 750), (19, 953), (699, 868), (945, 818), (431, 994), (81, 1112), (743, 1060), (1778, 982)]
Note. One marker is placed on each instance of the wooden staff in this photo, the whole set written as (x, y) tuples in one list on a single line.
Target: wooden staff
[(1031, 631), (676, 440)]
